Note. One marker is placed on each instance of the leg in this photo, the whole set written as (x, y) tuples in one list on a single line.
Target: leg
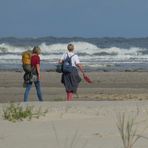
[(28, 87), (69, 95), (38, 90)]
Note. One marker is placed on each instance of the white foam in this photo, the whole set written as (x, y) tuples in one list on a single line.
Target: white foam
[(6, 48), (86, 51), (82, 47)]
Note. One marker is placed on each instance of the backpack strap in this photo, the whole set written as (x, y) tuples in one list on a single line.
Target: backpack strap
[(71, 56)]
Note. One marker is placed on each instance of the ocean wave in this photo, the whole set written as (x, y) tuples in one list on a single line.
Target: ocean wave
[(87, 52), (80, 47), (93, 52), (6, 48)]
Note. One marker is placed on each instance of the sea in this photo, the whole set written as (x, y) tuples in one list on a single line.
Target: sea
[(96, 54)]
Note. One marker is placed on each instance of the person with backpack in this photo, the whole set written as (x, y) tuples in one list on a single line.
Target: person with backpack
[(70, 76), (34, 75)]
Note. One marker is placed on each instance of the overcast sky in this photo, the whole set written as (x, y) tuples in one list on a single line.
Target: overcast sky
[(68, 18)]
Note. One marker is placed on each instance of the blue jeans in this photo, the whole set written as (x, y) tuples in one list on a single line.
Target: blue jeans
[(38, 90)]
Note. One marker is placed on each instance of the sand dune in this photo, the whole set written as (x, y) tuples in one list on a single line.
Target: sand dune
[(75, 124)]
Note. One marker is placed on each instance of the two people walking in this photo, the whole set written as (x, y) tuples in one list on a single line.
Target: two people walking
[(70, 80)]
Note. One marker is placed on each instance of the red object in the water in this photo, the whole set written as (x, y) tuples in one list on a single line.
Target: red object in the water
[(87, 79)]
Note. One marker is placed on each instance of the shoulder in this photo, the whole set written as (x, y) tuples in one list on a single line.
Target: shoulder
[(75, 56), (35, 57), (63, 56)]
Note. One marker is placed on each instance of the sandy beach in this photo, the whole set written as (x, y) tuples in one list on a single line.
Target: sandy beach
[(89, 120), (105, 86), (107, 39), (76, 124)]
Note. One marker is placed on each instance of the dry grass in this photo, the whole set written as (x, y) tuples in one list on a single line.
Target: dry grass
[(68, 143), (127, 126)]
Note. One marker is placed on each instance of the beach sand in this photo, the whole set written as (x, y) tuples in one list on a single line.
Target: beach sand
[(105, 86), (82, 123), (76, 124)]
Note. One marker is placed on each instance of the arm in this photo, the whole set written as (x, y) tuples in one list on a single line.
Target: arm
[(79, 65), (80, 68), (60, 61), (38, 70)]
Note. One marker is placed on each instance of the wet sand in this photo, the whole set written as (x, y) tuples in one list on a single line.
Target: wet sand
[(106, 86)]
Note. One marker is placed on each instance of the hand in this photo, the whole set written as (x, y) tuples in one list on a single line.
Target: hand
[(38, 76), (84, 74)]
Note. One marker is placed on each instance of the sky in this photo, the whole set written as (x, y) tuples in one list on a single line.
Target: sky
[(69, 18)]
